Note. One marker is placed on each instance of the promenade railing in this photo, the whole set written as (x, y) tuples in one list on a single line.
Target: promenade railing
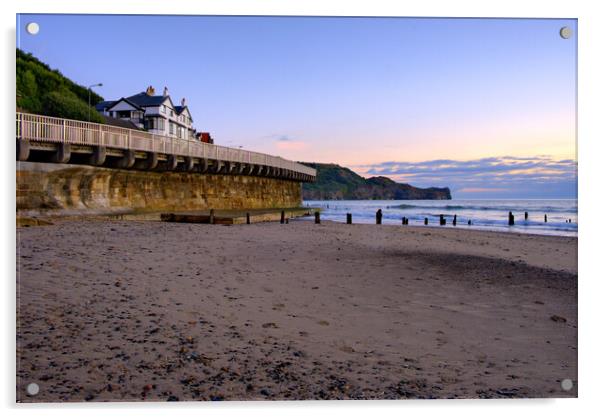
[(34, 127)]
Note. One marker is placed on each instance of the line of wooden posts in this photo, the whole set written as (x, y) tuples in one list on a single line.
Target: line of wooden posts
[(442, 219), (511, 218), (379, 218)]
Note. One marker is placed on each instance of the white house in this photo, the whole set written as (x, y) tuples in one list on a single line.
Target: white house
[(156, 114)]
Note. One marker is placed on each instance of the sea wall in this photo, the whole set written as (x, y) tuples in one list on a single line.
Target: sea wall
[(72, 189)]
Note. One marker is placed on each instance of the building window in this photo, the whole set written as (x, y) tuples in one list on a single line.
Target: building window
[(155, 123), (163, 108)]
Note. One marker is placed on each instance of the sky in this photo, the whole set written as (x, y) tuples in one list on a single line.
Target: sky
[(484, 106)]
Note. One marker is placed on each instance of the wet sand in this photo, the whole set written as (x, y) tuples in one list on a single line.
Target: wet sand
[(133, 311)]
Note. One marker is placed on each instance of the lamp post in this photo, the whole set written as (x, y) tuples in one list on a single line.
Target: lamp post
[(89, 97)]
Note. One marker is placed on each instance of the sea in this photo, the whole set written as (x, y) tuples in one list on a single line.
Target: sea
[(483, 214)]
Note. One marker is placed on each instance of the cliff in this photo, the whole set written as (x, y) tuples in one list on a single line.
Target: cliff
[(335, 182)]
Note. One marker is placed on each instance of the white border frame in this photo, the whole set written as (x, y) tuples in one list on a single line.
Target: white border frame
[(589, 93)]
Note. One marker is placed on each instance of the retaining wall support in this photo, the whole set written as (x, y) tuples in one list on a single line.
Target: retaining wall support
[(22, 150), (188, 163), (151, 161), (172, 162), (99, 156), (62, 153)]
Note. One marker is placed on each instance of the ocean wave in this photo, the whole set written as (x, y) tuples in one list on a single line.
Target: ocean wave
[(482, 208)]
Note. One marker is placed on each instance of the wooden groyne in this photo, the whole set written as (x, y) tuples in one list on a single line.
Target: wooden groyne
[(455, 220), (229, 217)]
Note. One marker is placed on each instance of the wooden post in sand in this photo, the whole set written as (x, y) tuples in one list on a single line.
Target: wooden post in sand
[(211, 217), (526, 215), (470, 222), (441, 220), (349, 220), (545, 218), (379, 216), (426, 221), (248, 218), (317, 217), (454, 221), (282, 217), (510, 219)]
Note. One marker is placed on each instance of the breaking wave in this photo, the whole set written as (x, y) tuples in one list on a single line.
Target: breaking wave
[(474, 207)]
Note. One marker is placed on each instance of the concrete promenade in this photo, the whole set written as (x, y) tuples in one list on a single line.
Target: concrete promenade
[(55, 140)]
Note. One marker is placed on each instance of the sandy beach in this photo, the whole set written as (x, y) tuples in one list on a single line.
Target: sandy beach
[(135, 310)]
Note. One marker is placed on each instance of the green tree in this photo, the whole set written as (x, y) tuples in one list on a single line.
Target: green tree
[(27, 92), (43, 90), (69, 106)]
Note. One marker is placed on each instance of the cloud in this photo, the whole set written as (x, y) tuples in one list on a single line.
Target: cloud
[(481, 190), (540, 175), (278, 137), (285, 142)]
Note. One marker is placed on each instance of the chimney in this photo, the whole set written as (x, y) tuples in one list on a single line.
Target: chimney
[(150, 90), (183, 102), (165, 92)]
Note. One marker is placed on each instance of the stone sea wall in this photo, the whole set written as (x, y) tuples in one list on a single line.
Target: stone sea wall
[(73, 189)]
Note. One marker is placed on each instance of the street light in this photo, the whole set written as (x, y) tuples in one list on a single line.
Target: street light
[(89, 97)]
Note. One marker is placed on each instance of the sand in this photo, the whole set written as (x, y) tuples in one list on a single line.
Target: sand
[(151, 311)]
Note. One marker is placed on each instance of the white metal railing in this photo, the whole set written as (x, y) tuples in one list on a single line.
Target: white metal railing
[(35, 127)]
